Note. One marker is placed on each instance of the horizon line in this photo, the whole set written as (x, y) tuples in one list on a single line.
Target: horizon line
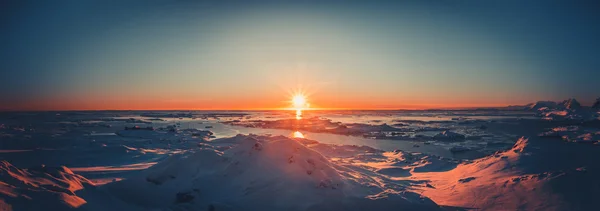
[(265, 109)]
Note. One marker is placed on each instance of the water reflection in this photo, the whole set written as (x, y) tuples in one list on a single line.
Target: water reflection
[(298, 134), (298, 114)]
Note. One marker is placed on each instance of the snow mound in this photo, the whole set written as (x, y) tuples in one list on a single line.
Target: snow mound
[(574, 134), (534, 174), (40, 188), (260, 173)]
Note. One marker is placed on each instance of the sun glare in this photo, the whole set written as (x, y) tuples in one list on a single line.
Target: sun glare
[(299, 101)]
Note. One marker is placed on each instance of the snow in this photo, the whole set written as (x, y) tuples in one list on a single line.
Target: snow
[(574, 134), (571, 104), (568, 114), (46, 186), (261, 173), (533, 175), (318, 125), (167, 167), (543, 104), (569, 109), (565, 104)]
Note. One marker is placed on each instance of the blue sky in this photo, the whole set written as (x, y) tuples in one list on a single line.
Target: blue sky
[(350, 54)]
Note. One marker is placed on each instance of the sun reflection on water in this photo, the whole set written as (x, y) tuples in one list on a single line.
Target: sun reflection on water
[(298, 134), (298, 114)]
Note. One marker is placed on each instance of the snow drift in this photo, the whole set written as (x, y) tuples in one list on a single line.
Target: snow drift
[(40, 188)]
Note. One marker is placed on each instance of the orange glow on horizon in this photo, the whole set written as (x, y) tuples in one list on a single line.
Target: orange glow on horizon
[(57, 105), (269, 100)]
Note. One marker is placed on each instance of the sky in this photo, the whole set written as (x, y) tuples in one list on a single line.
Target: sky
[(168, 55)]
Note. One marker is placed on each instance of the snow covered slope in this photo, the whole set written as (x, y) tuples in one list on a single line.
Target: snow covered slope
[(535, 174), (261, 173), (39, 188)]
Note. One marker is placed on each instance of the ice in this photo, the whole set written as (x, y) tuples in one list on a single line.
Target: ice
[(458, 149), (44, 186), (550, 105), (569, 109), (568, 114), (343, 160), (574, 134)]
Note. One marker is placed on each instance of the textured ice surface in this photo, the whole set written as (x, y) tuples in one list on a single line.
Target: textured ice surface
[(378, 159)]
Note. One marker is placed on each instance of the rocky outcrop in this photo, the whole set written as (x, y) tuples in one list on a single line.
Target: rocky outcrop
[(571, 104), (596, 104)]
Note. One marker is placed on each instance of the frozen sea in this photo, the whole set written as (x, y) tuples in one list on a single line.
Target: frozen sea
[(88, 141), (489, 159)]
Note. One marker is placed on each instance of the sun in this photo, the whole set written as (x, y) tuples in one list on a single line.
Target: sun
[(299, 101)]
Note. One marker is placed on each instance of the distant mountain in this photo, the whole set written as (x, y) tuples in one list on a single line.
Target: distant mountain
[(541, 104), (569, 109), (596, 104), (565, 104)]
